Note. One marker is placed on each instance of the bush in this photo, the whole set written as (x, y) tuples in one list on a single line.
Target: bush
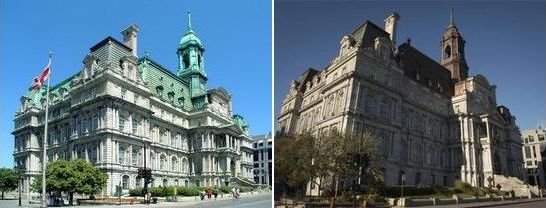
[(224, 189), (244, 189), (190, 191), (395, 191), (156, 191), (135, 192), (462, 186)]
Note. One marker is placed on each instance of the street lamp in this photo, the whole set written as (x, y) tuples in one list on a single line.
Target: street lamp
[(20, 170), (402, 187)]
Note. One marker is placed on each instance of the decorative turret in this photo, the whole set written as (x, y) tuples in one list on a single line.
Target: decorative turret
[(191, 65), (453, 52)]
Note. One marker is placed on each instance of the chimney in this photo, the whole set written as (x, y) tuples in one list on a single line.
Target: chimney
[(130, 37), (390, 25)]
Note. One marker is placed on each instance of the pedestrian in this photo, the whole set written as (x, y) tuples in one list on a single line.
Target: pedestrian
[(209, 192), (202, 194), (233, 192), (215, 192)]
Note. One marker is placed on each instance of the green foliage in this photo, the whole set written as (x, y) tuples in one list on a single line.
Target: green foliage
[(157, 191), (90, 180), (190, 191), (224, 189), (462, 186), (135, 192), (296, 163), (76, 176), (395, 191), (8, 179), (244, 189)]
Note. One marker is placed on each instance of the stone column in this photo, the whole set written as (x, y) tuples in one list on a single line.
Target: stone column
[(203, 166)]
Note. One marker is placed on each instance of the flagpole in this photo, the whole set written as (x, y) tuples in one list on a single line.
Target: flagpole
[(44, 199)]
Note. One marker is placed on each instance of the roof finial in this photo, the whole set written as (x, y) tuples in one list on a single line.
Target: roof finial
[(189, 20), (451, 19)]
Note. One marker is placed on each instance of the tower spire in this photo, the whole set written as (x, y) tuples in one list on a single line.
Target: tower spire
[(451, 19), (189, 20)]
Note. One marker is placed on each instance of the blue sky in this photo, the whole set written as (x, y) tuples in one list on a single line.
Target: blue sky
[(236, 35), (505, 41)]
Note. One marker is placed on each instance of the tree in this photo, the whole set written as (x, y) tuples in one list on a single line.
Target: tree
[(76, 176), (8, 180)]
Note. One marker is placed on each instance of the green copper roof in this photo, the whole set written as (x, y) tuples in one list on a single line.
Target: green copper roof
[(190, 38), (240, 122), (54, 91), (164, 84)]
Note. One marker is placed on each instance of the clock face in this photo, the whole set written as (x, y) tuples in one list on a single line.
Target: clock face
[(481, 99)]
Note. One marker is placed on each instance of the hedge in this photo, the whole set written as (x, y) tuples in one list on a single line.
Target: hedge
[(183, 191)]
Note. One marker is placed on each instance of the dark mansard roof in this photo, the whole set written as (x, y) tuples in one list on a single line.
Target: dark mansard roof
[(424, 70)]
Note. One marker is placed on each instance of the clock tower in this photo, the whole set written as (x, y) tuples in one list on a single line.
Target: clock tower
[(191, 64), (453, 57)]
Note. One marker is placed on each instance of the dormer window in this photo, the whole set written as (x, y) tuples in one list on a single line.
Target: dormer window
[(171, 96), (181, 101), (159, 90)]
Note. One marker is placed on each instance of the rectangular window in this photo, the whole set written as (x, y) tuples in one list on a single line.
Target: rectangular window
[(93, 155), (122, 123), (121, 156), (93, 93), (134, 124), (95, 122), (134, 157)]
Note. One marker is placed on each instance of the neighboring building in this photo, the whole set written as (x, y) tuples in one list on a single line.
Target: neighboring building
[(263, 159), (119, 109), (534, 153), (433, 122)]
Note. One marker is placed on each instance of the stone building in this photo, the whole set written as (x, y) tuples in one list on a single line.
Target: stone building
[(121, 110), (534, 154), (263, 159), (434, 123)]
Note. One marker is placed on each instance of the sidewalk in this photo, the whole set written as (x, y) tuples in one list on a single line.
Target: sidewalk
[(187, 201), (489, 204)]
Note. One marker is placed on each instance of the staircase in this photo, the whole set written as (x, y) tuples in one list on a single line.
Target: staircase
[(520, 188), (244, 182)]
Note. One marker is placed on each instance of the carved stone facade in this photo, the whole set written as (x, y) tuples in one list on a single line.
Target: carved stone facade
[(432, 126), (534, 154), (120, 112)]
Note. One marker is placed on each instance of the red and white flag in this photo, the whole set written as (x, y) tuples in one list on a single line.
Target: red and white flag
[(39, 80)]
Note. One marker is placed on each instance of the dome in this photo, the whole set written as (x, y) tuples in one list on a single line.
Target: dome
[(190, 38)]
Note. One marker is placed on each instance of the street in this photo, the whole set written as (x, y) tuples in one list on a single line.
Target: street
[(254, 201), (257, 201)]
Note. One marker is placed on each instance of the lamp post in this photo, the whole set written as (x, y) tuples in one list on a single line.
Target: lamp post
[(402, 187), (20, 170)]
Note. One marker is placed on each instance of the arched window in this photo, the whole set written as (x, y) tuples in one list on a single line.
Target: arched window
[(138, 181), (186, 59), (162, 161), (176, 183), (174, 164), (184, 165), (125, 182), (165, 183), (447, 52)]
